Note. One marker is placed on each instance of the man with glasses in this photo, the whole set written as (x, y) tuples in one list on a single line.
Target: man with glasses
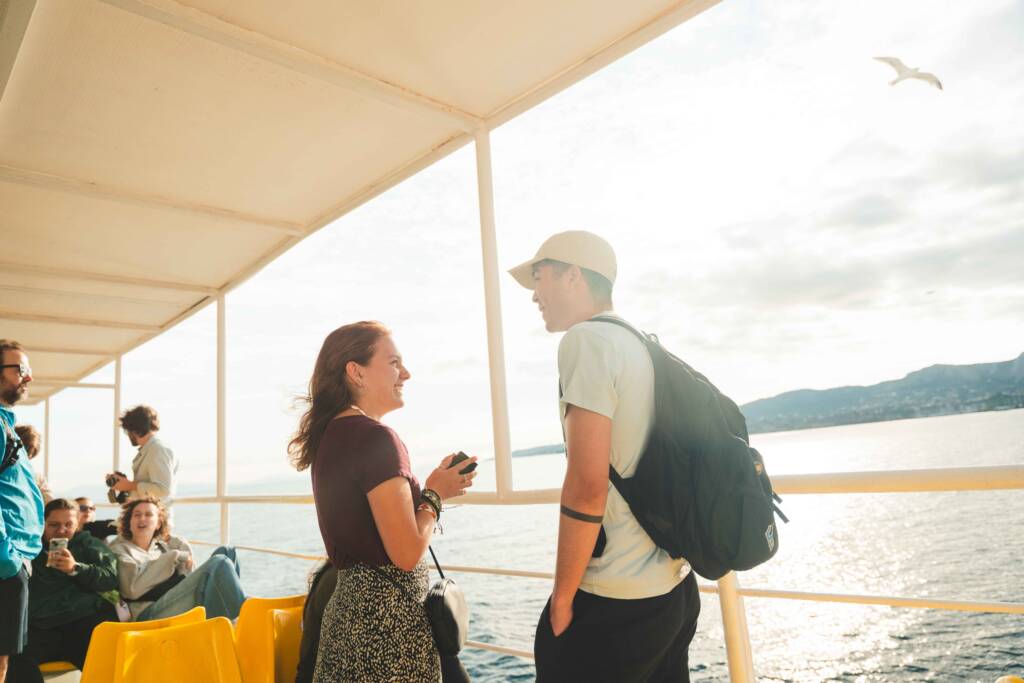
[(21, 513), (154, 467)]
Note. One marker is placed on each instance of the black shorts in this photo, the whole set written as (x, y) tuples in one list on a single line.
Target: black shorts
[(13, 613)]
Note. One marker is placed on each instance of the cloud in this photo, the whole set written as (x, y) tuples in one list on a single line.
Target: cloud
[(982, 168), (866, 211)]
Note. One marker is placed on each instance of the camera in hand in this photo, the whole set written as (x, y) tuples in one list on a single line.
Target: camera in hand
[(120, 497), (459, 457)]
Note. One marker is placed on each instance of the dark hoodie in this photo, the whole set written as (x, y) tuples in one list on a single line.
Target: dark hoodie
[(55, 598)]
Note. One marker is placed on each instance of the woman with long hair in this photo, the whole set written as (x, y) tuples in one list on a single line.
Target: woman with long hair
[(157, 575), (375, 520)]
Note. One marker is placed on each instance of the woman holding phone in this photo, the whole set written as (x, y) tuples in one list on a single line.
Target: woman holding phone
[(375, 520)]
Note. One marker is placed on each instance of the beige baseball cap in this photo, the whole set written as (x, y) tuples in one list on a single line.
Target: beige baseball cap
[(578, 247)]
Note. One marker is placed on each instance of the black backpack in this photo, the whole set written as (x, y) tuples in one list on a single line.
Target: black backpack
[(699, 491)]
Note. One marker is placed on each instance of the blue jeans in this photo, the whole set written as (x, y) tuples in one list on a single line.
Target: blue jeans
[(214, 585)]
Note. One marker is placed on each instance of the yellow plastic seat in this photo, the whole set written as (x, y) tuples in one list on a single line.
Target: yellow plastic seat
[(287, 626), (56, 667), (200, 652), (254, 636), (99, 661)]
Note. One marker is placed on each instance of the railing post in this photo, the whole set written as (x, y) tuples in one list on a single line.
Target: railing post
[(117, 414), (492, 302), (46, 439), (737, 639), (221, 424)]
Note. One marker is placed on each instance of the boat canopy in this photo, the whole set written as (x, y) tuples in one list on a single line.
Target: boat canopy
[(156, 153)]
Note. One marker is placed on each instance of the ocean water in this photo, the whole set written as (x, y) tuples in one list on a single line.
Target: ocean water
[(959, 546)]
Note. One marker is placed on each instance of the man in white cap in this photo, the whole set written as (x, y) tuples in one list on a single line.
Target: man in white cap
[(622, 609)]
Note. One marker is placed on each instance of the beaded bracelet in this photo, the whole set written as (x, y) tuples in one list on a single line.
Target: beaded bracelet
[(430, 497), (428, 507)]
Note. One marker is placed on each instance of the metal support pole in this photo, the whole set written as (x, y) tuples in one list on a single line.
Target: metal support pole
[(737, 639), (492, 302), (46, 439), (222, 483), (117, 414)]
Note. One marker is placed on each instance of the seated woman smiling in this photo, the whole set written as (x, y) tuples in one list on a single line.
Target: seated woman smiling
[(155, 569)]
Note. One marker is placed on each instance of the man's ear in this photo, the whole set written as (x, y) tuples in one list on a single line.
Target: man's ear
[(574, 276)]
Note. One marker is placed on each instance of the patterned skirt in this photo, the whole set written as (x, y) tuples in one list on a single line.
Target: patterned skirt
[(374, 632)]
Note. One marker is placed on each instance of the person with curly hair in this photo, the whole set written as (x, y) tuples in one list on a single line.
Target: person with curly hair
[(30, 438), (157, 576)]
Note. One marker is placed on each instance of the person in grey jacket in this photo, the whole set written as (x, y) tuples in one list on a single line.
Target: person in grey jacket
[(154, 467), (156, 573)]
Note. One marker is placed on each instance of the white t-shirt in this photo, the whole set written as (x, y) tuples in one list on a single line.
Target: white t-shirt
[(605, 369)]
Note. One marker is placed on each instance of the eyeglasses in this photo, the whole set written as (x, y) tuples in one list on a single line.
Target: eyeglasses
[(87, 508), (23, 370)]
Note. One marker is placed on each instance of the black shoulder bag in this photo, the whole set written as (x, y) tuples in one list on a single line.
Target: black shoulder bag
[(446, 610)]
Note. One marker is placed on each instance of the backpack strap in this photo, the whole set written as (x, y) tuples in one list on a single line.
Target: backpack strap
[(616, 478), (12, 447), (623, 324)]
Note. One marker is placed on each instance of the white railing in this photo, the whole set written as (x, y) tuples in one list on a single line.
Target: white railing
[(730, 594)]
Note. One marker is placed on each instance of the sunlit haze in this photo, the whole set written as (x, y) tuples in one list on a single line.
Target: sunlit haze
[(783, 219)]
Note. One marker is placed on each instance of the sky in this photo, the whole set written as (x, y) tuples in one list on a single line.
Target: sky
[(783, 219)]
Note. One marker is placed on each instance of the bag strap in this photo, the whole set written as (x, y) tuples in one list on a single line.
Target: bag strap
[(399, 586), (431, 549), (646, 339), (12, 445), (617, 479), (623, 324)]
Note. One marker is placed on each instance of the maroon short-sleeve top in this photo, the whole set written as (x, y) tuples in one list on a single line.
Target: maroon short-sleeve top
[(355, 455)]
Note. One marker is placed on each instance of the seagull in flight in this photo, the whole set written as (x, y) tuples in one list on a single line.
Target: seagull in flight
[(904, 72)]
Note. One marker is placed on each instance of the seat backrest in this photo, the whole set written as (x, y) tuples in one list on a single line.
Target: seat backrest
[(202, 651), (287, 625), (254, 636), (99, 661)]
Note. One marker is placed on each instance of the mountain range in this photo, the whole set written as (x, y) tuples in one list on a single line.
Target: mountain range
[(935, 390)]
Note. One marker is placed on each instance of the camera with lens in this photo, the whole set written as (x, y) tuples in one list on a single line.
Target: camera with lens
[(120, 497)]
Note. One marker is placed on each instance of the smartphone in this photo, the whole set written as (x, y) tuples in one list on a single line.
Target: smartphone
[(459, 457), (55, 545)]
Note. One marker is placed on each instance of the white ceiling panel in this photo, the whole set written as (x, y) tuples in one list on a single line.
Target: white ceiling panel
[(156, 153)]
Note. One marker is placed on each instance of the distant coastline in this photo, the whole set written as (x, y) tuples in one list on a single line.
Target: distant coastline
[(929, 392), (539, 450)]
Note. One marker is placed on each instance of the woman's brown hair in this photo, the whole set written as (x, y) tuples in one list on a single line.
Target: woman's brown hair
[(329, 392), (124, 522), (29, 436)]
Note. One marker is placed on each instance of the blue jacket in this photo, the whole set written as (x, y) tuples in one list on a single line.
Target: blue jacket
[(21, 508)]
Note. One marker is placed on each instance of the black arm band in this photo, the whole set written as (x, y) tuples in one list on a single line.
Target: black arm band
[(572, 514)]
